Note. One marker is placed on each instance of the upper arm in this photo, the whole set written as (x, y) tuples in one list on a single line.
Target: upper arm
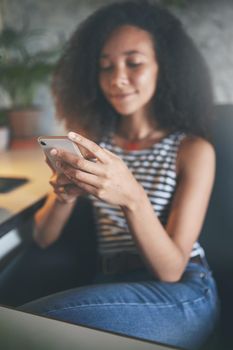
[(195, 170)]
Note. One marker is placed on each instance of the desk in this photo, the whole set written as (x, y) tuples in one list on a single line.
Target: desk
[(22, 331), (19, 204)]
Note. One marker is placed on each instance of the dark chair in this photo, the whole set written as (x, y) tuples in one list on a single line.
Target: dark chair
[(69, 262), (217, 235)]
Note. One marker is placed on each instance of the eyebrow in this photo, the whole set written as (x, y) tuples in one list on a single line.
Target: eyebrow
[(125, 53)]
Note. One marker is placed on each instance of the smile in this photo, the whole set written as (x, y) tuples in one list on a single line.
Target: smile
[(122, 96)]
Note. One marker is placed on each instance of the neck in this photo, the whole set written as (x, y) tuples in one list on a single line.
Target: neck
[(135, 129), (135, 137)]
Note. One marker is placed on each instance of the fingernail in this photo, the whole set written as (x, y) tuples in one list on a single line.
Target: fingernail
[(61, 189), (73, 136), (53, 152)]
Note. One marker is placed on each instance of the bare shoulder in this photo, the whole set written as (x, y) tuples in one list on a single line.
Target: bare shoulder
[(195, 152)]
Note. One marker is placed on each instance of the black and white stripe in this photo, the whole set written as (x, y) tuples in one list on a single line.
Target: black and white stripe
[(155, 169)]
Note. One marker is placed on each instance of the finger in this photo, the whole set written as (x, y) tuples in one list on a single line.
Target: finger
[(74, 191), (76, 162), (89, 166), (86, 188), (62, 180), (60, 189), (53, 180), (59, 155), (65, 198), (59, 180), (81, 164), (64, 188), (89, 145), (68, 193), (77, 176)]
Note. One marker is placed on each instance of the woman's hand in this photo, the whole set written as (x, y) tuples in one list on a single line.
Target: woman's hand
[(107, 178), (65, 190)]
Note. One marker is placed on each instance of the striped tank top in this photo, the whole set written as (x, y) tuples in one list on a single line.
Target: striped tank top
[(155, 169)]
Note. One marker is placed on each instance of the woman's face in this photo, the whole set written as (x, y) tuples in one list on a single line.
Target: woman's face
[(128, 70)]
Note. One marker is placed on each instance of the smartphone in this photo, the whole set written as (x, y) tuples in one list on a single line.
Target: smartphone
[(59, 142)]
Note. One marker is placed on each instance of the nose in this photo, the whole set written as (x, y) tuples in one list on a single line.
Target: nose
[(119, 77)]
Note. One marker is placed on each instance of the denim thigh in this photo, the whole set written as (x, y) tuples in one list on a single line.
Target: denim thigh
[(180, 314)]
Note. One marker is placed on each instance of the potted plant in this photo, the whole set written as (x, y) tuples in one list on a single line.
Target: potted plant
[(22, 71)]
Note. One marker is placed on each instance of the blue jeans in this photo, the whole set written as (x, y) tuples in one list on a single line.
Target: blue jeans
[(135, 304)]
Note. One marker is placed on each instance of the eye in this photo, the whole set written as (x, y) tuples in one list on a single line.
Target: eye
[(105, 65), (132, 64), (105, 68)]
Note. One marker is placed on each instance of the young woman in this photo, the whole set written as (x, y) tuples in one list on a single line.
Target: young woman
[(135, 92)]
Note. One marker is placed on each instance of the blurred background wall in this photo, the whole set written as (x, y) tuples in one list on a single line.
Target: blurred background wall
[(209, 23)]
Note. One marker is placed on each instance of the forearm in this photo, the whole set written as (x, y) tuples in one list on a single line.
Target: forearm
[(50, 220), (161, 254)]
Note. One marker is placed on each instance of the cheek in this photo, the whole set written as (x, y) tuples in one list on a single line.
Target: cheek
[(147, 80)]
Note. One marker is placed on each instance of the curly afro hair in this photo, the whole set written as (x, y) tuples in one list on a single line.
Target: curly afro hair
[(183, 99)]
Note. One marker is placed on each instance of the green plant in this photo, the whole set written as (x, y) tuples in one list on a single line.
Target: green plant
[(21, 69)]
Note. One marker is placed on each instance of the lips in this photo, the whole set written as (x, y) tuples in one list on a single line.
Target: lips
[(121, 96)]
